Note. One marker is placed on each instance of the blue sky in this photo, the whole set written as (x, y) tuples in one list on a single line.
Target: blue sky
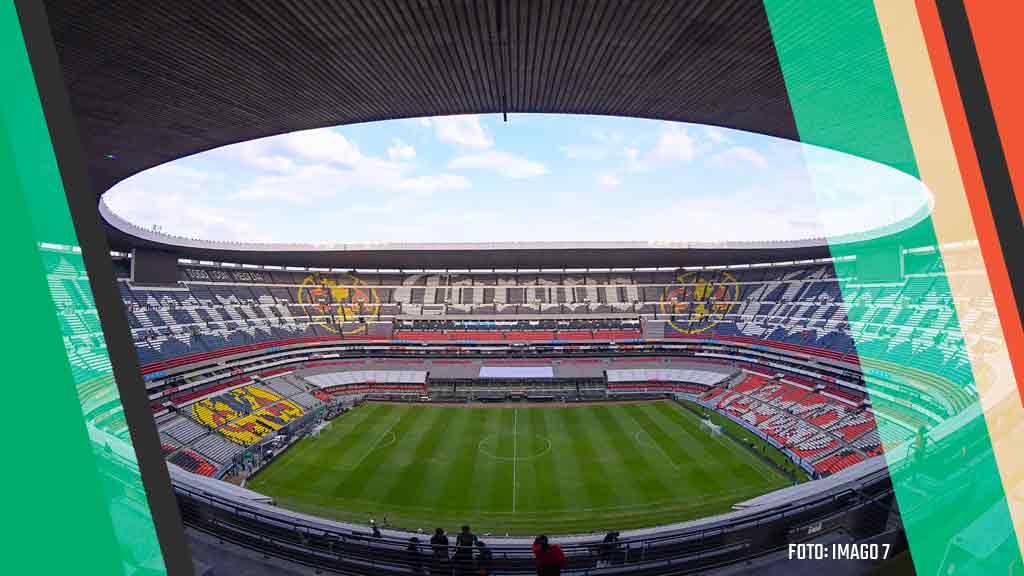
[(537, 177)]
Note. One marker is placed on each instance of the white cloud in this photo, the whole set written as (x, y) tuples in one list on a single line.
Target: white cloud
[(321, 145), (179, 200), (257, 154), (754, 213), (675, 144), (435, 183), (585, 152), (327, 164), (465, 131), (301, 187), (736, 155), (399, 150), (604, 144), (608, 137), (288, 152), (508, 165), (372, 178), (633, 161), (607, 181), (715, 135), (274, 163)]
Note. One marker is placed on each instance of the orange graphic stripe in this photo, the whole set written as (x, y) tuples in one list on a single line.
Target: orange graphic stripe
[(996, 28), (977, 199)]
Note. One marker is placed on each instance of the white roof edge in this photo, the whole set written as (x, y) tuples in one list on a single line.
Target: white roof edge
[(179, 241)]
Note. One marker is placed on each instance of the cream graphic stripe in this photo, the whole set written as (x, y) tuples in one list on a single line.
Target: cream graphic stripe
[(937, 163)]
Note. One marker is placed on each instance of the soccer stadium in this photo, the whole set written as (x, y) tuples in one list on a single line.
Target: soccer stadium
[(655, 407)]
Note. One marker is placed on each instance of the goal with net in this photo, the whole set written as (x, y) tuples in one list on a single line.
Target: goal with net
[(319, 428), (711, 427)]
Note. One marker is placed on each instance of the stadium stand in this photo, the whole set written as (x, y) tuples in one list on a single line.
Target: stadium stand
[(210, 426), (181, 429), (213, 309), (686, 381), (189, 460), (215, 312), (245, 414), (216, 448), (829, 432), (231, 357)]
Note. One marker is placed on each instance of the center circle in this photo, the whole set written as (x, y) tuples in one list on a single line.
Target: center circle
[(644, 439), (514, 446)]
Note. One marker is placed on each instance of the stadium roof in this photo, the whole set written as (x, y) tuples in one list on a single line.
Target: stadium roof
[(492, 255), (150, 83)]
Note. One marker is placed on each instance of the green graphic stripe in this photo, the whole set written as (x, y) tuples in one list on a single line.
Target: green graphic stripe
[(947, 483), (75, 499)]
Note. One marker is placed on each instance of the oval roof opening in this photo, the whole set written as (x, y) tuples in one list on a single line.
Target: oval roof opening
[(534, 178)]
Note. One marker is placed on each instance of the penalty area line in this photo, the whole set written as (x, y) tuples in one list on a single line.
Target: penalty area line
[(377, 445), (654, 444)]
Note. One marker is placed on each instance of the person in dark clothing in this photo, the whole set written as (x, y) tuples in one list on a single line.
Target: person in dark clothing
[(607, 549), (439, 546), (463, 559), (550, 558), (484, 558), (412, 554)]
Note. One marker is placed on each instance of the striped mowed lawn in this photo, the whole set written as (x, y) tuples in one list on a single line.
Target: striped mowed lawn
[(517, 470)]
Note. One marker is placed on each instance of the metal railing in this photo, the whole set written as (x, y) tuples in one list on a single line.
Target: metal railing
[(860, 510)]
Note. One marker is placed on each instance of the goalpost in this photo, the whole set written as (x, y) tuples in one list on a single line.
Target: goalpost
[(711, 427), (319, 428)]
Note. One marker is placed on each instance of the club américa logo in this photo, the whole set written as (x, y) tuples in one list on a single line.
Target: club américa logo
[(343, 296), (699, 304)]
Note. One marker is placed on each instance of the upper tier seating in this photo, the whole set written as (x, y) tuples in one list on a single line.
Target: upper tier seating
[(212, 309)]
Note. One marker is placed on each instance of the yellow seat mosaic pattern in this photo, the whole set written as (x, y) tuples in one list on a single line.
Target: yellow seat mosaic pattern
[(246, 414)]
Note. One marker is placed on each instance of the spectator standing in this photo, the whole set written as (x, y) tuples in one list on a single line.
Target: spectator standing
[(463, 558), (607, 549), (412, 553), (439, 546), (550, 558), (484, 558)]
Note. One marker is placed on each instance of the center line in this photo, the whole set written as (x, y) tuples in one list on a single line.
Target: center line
[(515, 453)]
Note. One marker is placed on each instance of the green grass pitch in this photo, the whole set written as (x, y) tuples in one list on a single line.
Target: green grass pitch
[(517, 470)]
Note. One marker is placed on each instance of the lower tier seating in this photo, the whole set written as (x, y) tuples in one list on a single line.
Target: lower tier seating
[(831, 432), (245, 414)]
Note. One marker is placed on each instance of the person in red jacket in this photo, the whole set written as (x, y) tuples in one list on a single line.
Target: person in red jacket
[(550, 558)]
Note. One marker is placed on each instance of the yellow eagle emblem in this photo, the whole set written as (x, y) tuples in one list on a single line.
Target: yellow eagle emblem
[(341, 302), (701, 303)]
